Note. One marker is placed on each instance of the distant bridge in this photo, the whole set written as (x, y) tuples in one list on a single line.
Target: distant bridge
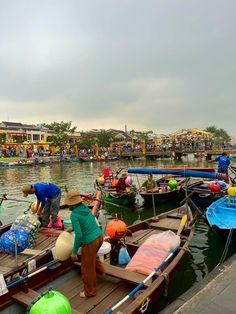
[(173, 153)]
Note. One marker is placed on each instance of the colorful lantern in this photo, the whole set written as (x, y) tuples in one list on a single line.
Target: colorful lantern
[(232, 190), (172, 184), (128, 180), (116, 228), (53, 302)]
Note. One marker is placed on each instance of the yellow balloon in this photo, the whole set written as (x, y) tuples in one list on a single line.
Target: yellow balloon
[(232, 190)]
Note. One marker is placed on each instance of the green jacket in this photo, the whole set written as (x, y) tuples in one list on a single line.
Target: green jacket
[(85, 226)]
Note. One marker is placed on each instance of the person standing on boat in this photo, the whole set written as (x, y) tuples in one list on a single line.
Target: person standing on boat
[(121, 184), (48, 199), (150, 184), (88, 236), (223, 163)]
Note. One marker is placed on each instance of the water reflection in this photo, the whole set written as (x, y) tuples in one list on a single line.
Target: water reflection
[(205, 249)]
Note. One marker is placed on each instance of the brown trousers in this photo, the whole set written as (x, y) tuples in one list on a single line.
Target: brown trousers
[(90, 265)]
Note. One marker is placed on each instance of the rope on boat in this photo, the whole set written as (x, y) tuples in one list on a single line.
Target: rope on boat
[(142, 283), (226, 248)]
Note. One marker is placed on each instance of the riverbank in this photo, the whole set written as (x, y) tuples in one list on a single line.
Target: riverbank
[(214, 294)]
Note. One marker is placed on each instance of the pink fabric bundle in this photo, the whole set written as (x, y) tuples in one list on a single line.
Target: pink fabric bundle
[(153, 252)]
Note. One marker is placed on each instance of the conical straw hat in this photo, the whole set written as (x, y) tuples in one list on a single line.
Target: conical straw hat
[(64, 245)]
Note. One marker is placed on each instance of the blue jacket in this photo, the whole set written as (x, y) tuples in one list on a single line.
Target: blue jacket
[(44, 190), (223, 161)]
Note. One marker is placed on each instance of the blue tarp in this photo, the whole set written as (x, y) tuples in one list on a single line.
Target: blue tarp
[(184, 173)]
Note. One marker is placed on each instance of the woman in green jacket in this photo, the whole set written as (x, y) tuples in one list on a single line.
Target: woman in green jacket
[(88, 236)]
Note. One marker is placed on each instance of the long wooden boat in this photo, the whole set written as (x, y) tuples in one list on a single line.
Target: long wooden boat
[(201, 193), (101, 159), (221, 217), (126, 198), (37, 162), (163, 192), (109, 194), (30, 261), (122, 290)]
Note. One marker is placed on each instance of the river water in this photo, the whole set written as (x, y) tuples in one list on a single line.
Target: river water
[(205, 249)]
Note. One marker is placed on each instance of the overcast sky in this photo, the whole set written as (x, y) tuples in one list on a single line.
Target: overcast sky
[(151, 65)]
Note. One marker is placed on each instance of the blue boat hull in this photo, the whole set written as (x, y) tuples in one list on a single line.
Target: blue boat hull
[(221, 217)]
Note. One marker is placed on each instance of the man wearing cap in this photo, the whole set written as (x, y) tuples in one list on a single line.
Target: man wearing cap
[(88, 236), (49, 196)]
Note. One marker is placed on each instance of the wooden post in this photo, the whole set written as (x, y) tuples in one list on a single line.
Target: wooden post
[(96, 150), (142, 144), (76, 151)]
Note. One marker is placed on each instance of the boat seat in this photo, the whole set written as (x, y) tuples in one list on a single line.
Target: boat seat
[(120, 273), (26, 298)]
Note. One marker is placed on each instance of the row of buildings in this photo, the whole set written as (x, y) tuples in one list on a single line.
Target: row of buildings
[(14, 134)]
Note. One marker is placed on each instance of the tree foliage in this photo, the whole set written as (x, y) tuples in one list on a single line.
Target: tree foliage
[(220, 136), (104, 138), (61, 131)]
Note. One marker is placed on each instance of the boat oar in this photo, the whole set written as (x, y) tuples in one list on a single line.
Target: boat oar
[(14, 199), (106, 202), (181, 226), (189, 200), (186, 198)]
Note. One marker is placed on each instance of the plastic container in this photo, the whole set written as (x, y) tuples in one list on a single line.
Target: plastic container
[(67, 224), (104, 252)]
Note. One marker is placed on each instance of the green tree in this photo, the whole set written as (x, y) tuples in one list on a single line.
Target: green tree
[(61, 131), (104, 138), (220, 136)]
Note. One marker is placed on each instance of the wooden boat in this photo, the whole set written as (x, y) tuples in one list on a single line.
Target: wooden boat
[(118, 283), (109, 194), (199, 155), (202, 195), (221, 217), (31, 261), (126, 198), (101, 159), (232, 168), (163, 192), (37, 162), (232, 157)]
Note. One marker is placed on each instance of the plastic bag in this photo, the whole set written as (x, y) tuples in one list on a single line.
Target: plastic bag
[(123, 257)]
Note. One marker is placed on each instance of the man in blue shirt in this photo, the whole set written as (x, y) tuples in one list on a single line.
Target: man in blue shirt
[(223, 163), (48, 197)]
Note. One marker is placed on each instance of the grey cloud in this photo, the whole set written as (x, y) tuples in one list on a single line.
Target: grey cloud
[(161, 65)]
